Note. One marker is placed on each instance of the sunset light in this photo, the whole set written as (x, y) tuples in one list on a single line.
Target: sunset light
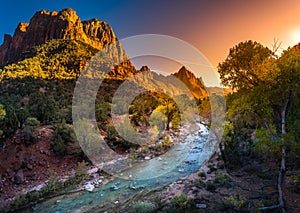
[(150, 106)]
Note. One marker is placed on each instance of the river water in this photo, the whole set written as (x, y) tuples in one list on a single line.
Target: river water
[(117, 191)]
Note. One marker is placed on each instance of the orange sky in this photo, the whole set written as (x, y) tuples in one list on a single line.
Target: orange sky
[(217, 26), (256, 20)]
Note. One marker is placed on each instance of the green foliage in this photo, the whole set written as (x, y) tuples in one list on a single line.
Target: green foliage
[(32, 122), (102, 110), (222, 180), (180, 203), (10, 123), (202, 174), (266, 97), (48, 101), (2, 116), (52, 184), (80, 172), (234, 202), (212, 167), (142, 107), (158, 120), (63, 134), (169, 108), (65, 131), (199, 183), (60, 59), (143, 207), (210, 186), (59, 146), (266, 145), (239, 70), (2, 112)]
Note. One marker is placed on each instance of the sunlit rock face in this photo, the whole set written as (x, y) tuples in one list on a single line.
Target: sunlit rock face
[(45, 26)]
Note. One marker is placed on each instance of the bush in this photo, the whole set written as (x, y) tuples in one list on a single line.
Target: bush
[(202, 174), (222, 180), (180, 203), (65, 131), (63, 134), (210, 186), (199, 184), (59, 147), (80, 172), (143, 207), (234, 202), (212, 167), (32, 122)]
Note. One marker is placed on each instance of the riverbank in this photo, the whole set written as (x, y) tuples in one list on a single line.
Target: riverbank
[(213, 188), (59, 177), (116, 192)]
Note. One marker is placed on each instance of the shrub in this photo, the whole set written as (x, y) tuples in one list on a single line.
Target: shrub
[(222, 179), (32, 122), (202, 174), (199, 184), (143, 207), (210, 186), (212, 167), (234, 202), (59, 147), (180, 203), (63, 134), (80, 172)]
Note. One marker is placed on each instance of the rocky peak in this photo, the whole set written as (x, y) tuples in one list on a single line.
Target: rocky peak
[(185, 74), (145, 69), (44, 26), (195, 85)]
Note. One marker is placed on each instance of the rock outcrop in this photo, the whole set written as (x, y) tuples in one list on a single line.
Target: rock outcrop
[(65, 24), (194, 84)]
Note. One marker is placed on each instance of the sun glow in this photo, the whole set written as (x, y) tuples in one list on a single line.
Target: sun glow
[(295, 36)]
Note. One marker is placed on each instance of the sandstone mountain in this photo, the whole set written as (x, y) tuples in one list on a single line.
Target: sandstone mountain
[(181, 82), (194, 84), (58, 45), (45, 26)]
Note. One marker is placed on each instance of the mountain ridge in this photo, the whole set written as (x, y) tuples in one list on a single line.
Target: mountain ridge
[(45, 26)]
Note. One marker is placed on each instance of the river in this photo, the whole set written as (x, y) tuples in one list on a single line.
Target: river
[(118, 191)]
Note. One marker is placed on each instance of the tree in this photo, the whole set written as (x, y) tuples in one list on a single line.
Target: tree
[(266, 101), (239, 68), (2, 116), (169, 108)]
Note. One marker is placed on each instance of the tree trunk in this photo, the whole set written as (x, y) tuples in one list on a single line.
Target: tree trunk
[(282, 166)]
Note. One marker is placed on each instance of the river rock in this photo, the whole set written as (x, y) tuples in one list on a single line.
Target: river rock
[(147, 158), (201, 206), (29, 166), (89, 187)]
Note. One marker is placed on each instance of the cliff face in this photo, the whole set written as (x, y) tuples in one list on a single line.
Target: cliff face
[(45, 26), (194, 84)]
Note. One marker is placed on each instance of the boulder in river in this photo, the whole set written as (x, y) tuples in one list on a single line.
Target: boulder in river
[(89, 187)]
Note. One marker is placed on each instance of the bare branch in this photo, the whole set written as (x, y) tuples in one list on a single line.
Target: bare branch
[(276, 45)]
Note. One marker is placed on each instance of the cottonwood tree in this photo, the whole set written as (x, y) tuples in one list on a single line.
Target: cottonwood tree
[(239, 70), (267, 93)]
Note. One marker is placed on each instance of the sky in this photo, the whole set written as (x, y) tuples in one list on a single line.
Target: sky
[(212, 26)]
